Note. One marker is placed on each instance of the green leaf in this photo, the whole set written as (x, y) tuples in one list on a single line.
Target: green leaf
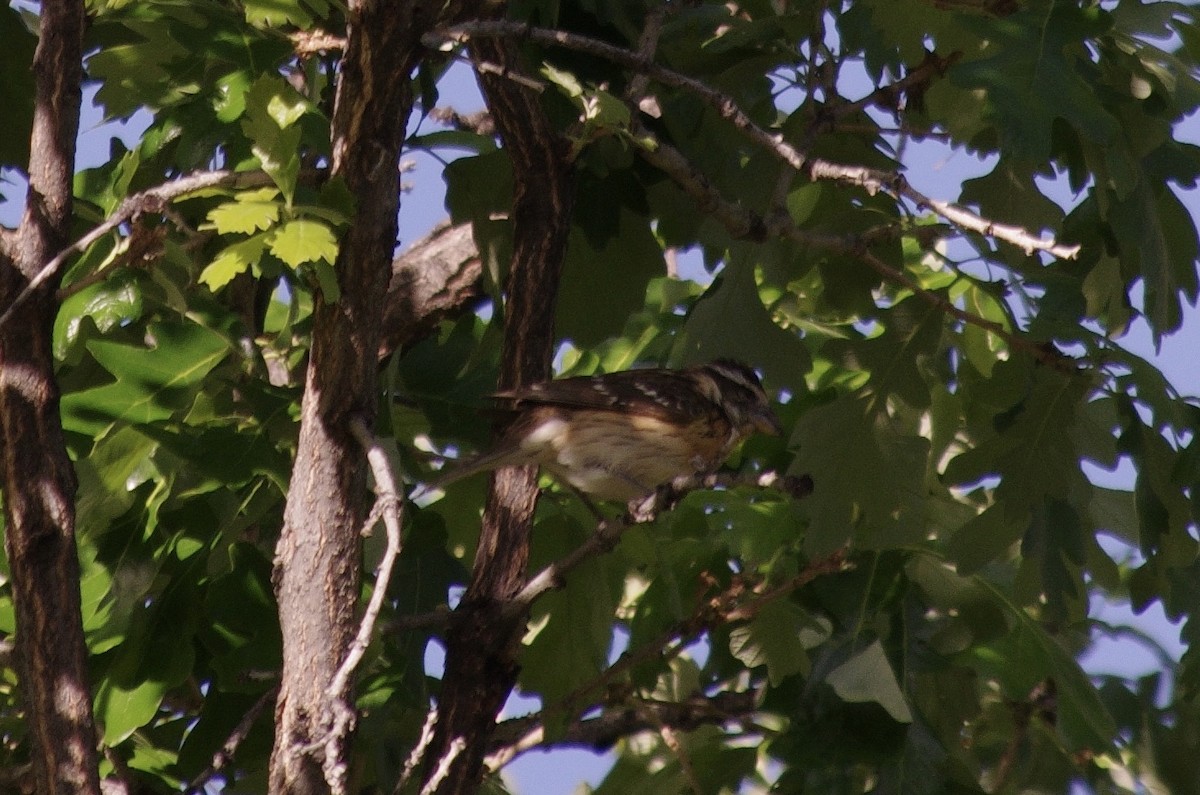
[(730, 321), (152, 383), (116, 300), (272, 108), (108, 475), (619, 267), (570, 630), (453, 139), (1034, 449), (777, 637), (868, 676), (868, 478), (273, 14), (234, 259), (156, 658), (1009, 194), (983, 348), (987, 537), (1036, 48), (298, 242), (327, 280), (243, 217), (1105, 291), (566, 81), (241, 629), (225, 456), (1157, 236), (1028, 656), (896, 359), (230, 102), (802, 201)]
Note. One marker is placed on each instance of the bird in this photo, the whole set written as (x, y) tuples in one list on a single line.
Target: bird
[(621, 435)]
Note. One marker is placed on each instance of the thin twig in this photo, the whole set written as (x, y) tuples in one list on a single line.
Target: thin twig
[(312, 42), (517, 735), (604, 538), (225, 755), (707, 613), (153, 200), (748, 225), (443, 766), (608, 532), (886, 96), (388, 506), (671, 740), (647, 46), (500, 70), (552, 577), (869, 179), (418, 752)]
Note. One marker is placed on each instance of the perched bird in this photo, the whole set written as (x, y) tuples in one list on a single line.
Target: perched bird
[(621, 435)]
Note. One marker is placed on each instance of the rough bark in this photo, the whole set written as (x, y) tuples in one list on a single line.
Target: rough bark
[(318, 555), (39, 481), (437, 278), (481, 649)]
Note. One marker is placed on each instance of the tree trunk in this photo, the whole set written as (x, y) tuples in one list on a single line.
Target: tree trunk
[(39, 481), (481, 648), (318, 555)]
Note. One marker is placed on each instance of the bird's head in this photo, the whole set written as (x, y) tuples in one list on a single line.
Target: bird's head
[(739, 392)]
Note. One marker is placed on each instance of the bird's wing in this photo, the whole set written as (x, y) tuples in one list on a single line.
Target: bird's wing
[(666, 395)]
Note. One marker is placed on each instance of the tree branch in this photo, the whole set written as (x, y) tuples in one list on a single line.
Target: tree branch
[(436, 278), (872, 180), (152, 200), (389, 506), (516, 736), (316, 572), (748, 225), (225, 755), (481, 648)]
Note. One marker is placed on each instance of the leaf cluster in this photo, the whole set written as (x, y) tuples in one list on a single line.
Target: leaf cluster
[(950, 395)]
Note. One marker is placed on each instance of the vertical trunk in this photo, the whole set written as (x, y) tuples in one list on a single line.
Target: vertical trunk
[(39, 481), (481, 649), (317, 557)]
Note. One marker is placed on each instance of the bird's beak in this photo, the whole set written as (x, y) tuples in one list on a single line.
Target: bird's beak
[(765, 420)]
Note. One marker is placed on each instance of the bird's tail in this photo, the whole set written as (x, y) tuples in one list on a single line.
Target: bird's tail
[(503, 456)]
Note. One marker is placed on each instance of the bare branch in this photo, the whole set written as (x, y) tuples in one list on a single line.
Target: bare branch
[(748, 225), (514, 737), (225, 755), (152, 200), (479, 122), (143, 245), (872, 180), (438, 276), (647, 45), (608, 532), (388, 506), (413, 763), (707, 614), (671, 739), (888, 96), (443, 766), (313, 42)]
